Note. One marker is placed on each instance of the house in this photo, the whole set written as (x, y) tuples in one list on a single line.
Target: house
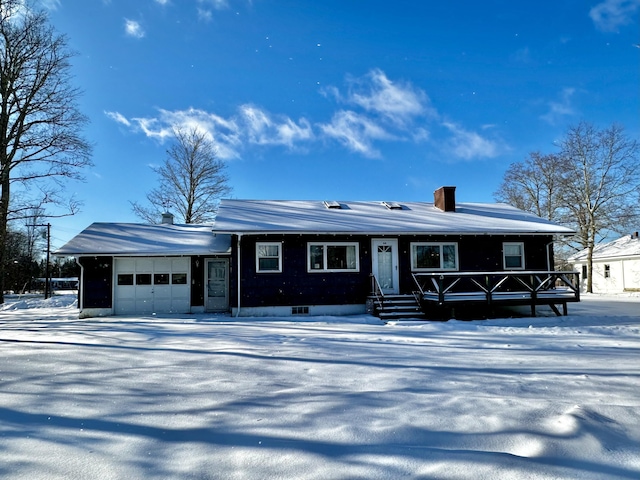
[(616, 265), (266, 257)]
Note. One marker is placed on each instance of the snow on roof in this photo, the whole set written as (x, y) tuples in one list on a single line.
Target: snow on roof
[(627, 246), (288, 216), (141, 239)]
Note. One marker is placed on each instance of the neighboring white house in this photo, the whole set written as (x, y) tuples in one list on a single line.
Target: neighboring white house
[(616, 266)]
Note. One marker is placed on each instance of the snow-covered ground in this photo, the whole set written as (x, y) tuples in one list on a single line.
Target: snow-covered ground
[(201, 397)]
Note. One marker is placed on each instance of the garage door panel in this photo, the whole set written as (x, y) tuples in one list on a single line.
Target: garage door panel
[(148, 285)]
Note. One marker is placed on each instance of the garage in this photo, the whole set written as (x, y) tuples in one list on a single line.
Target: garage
[(147, 285)]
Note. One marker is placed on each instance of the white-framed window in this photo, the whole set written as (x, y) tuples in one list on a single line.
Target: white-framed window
[(269, 257), (513, 255), (333, 257), (432, 256)]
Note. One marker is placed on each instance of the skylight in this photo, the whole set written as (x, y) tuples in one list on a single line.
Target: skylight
[(392, 205), (332, 204)]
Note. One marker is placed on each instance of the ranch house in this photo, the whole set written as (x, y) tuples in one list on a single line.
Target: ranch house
[(282, 258)]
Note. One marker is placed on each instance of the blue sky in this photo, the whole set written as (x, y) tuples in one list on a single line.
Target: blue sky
[(344, 100)]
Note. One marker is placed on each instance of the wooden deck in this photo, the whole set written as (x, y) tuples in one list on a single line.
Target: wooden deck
[(492, 289)]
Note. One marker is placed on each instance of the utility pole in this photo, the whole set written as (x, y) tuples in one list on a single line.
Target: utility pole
[(47, 280)]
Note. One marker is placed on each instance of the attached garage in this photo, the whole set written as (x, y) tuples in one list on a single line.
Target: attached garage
[(137, 269), (152, 285)]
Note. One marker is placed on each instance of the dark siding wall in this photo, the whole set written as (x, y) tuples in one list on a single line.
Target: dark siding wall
[(197, 281), (476, 253), (96, 289), (294, 286)]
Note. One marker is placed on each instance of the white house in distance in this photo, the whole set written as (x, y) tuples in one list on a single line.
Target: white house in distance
[(616, 266)]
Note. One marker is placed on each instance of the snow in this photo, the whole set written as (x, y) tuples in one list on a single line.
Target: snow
[(143, 239), (204, 397), (298, 216), (623, 247)]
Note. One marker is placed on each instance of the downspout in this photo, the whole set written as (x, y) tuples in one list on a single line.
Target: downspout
[(238, 274), (80, 284)]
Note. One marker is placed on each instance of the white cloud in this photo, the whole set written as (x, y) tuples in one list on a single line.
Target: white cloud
[(356, 132), (217, 4), (205, 15), (263, 129), (162, 2), (395, 101), (610, 15), (118, 117), (50, 4), (133, 28), (561, 108), (469, 145)]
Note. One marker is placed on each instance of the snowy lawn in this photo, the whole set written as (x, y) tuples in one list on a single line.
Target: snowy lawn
[(201, 397)]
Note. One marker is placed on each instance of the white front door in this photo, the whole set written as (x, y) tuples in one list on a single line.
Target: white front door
[(217, 285), (385, 264)]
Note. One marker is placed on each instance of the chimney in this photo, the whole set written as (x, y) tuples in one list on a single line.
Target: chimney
[(634, 235), (167, 218), (444, 198)]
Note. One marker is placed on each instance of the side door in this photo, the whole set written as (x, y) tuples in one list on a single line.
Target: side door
[(384, 257), (217, 285)]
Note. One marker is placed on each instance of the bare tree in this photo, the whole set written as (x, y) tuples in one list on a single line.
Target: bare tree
[(602, 184), (592, 185), (40, 143), (533, 185), (192, 181)]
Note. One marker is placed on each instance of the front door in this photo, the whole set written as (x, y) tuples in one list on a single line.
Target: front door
[(218, 285), (385, 264)]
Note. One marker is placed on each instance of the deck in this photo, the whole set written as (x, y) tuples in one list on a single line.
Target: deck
[(491, 289)]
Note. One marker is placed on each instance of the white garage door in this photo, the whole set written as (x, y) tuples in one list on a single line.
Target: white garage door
[(152, 285)]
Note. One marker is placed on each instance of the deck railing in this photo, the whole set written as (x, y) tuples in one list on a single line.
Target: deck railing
[(513, 287)]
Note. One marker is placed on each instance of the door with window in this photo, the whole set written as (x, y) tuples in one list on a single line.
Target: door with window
[(385, 264), (217, 293)]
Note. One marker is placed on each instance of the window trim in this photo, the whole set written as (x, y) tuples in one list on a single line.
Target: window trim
[(504, 256), (325, 258), (415, 268), (279, 256)]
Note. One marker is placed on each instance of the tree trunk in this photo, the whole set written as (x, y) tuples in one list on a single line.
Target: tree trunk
[(5, 183)]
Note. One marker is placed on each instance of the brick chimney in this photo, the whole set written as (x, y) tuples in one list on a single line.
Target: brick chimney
[(444, 198)]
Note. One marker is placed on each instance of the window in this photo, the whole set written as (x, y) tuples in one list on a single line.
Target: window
[(434, 256), (513, 256), (161, 279), (333, 257), (584, 272), (125, 279), (143, 279), (179, 278), (607, 271), (269, 257)]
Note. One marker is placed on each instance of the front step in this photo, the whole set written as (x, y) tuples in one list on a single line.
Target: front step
[(397, 307)]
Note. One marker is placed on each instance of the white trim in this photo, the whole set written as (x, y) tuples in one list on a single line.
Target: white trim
[(504, 255), (279, 256), (325, 257), (393, 242), (415, 268)]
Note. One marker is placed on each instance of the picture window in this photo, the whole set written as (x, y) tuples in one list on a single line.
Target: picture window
[(333, 257), (434, 256)]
